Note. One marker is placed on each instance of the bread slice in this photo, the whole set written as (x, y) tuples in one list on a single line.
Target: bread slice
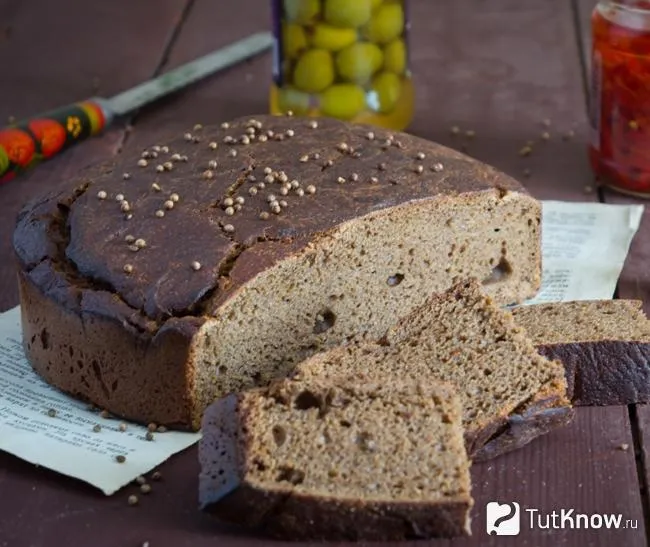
[(603, 344), (510, 393), (333, 462)]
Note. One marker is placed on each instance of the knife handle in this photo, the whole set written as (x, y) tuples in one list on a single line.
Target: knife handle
[(36, 139)]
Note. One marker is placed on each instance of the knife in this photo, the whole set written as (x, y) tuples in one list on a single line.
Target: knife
[(30, 141)]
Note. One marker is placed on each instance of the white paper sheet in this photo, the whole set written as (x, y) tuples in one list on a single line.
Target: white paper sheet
[(584, 247), (66, 442)]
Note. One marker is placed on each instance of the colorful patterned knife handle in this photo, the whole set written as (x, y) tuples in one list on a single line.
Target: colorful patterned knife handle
[(31, 141)]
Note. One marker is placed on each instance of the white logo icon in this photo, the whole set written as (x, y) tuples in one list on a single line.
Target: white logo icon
[(502, 519)]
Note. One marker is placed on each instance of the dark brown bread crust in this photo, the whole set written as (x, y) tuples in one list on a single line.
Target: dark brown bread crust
[(137, 327), (606, 372), (287, 515), (546, 412)]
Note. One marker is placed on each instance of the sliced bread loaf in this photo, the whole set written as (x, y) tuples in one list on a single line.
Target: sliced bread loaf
[(510, 393), (326, 461), (231, 253), (603, 344)]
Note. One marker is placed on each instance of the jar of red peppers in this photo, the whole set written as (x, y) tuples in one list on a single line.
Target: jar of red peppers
[(346, 59), (620, 95)]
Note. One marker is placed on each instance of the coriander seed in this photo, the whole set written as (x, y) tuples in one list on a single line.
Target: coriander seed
[(128, 268), (196, 266), (159, 168), (311, 189), (229, 228), (120, 458), (145, 488), (142, 162), (126, 176), (102, 195), (149, 436), (264, 215), (132, 500), (229, 211), (156, 187), (97, 428), (51, 412)]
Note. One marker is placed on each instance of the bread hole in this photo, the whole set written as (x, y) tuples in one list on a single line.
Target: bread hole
[(306, 400), (501, 272), (324, 321), (289, 474), (45, 339), (279, 434), (497, 229), (487, 372), (259, 465), (222, 369), (366, 442), (345, 423), (395, 279)]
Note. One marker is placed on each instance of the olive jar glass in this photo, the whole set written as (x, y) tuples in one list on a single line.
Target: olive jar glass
[(346, 59)]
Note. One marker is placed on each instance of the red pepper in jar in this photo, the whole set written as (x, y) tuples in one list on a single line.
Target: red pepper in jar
[(620, 95)]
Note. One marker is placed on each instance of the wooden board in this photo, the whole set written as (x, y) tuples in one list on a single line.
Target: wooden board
[(57, 53)]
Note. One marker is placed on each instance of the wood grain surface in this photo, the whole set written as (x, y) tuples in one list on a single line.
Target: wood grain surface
[(500, 68)]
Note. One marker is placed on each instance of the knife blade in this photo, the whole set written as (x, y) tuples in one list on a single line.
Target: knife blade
[(35, 139)]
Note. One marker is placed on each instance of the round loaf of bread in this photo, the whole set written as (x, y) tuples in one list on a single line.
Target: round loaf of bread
[(219, 259)]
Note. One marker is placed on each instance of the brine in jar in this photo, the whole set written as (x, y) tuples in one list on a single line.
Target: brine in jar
[(619, 101), (346, 59)]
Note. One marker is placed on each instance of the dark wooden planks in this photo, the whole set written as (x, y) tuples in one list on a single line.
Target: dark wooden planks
[(239, 91), (498, 69), (56, 53), (540, 476)]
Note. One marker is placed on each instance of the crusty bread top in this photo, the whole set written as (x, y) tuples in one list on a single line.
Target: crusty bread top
[(93, 237)]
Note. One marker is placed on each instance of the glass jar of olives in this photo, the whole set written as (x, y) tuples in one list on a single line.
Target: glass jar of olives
[(345, 59)]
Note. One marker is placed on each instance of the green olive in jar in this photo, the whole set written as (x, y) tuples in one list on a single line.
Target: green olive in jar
[(332, 38), (347, 13), (388, 87), (343, 101), (301, 11), (395, 56), (358, 62), (386, 24), (294, 100), (294, 40), (314, 71)]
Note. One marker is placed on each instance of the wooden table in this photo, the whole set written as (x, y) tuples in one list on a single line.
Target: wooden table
[(499, 68)]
